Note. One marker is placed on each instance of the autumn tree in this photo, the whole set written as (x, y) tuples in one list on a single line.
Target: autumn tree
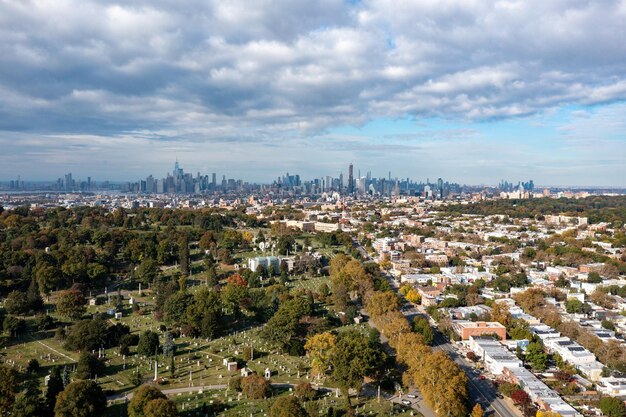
[(71, 304), (255, 387), (141, 397), (500, 313), (160, 407), (319, 348), (381, 302), (477, 411)]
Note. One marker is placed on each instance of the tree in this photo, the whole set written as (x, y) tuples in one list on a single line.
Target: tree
[(33, 366), (142, 396), (612, 407), (169, 347), (413, 296), (71, 304), (147, 271), (148, 343), (160, 407), (183, 254), (255, 387), (55, 386), (547, 414), (31, 404), (536, 356), (500, 313), (520, 397), (9, 386), (88, 366), (594, 278), (81, 399), (13, 325), (319, 348), (353, 358), (477, 411), (422, 326), (305, 392), (381, 302), (287, 406), (88, 335), (17, 303)]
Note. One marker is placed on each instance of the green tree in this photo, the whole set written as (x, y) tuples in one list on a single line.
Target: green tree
[(55, 386), (88, 366), (536, 356), (594, 278), (353, 358), (612, 407), (13, 326), (17, 303), (31, 404), (147, 271), (142, 396), (148, 343), (81, 399), (183, 254), (422, 326), (9, 386)]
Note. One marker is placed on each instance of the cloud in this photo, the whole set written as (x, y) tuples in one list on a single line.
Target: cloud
[(226, 71)]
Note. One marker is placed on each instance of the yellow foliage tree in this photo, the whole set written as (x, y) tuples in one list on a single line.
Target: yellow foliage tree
[(381, 302), (500, 313), (392, 325), (547, 414), (319, 348), (477, 411), (413, 296)]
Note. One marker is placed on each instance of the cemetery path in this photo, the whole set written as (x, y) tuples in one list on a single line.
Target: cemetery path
[(182, 390), (55, 351)]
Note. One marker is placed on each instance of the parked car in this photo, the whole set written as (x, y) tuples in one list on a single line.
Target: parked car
[(406, 402)]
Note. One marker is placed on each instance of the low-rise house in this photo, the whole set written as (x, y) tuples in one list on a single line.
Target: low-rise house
[(495, 356), (465, 329), (615, 387)]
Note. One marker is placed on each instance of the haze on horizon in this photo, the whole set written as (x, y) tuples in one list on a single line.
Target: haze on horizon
[(471, 91)]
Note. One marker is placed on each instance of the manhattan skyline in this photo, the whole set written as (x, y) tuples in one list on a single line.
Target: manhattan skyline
[(474, 92)]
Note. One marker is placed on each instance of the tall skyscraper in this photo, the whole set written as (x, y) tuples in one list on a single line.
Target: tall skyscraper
[(350, 179)]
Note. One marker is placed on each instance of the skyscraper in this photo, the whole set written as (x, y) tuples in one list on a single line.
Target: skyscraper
[(350, 179)]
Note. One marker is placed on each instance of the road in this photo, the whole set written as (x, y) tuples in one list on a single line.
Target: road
[(480, 391)]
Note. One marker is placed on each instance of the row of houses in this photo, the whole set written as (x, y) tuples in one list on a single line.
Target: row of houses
[(503, 363)]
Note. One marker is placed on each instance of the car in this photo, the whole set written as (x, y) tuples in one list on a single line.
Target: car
[(481, 377), (499, 395), (412, 396), (406, 402)]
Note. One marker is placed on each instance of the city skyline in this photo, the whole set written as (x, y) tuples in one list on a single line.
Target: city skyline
[(474, 92)]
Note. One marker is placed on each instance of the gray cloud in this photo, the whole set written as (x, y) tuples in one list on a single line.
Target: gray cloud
[(236, 72)]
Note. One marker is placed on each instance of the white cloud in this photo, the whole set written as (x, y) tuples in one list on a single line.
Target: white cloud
[(206, 71)]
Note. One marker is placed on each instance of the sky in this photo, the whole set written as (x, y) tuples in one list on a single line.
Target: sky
[(473, 91)]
